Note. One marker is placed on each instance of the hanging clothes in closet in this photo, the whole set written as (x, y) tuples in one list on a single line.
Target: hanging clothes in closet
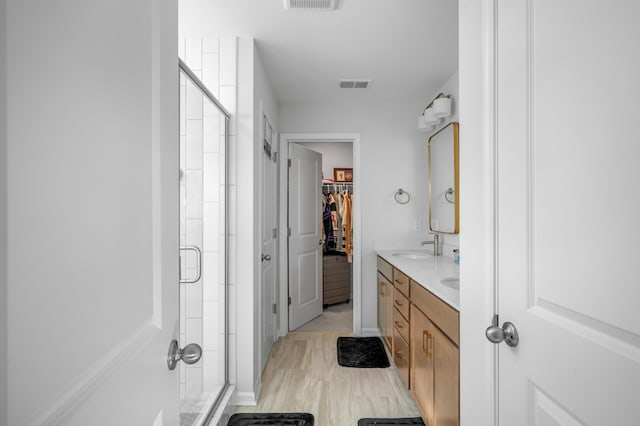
[(336, 218)]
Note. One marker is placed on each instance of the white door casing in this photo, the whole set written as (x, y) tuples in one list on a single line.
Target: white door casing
[(93, 212), (269, 251), (568, 209), (305, 222)]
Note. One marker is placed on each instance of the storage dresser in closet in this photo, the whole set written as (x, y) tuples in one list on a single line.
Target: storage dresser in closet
[(336, 286)]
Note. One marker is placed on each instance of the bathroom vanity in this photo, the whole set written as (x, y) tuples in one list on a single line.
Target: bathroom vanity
[(418, 318)]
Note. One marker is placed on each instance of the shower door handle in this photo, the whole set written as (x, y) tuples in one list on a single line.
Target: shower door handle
[(198, 265)]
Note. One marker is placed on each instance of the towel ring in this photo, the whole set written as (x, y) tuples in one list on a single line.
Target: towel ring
[(446, 195), (400, 196)]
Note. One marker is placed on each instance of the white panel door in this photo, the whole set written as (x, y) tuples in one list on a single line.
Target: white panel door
[(269, 250), (93, 212), (305, 243), (568, 209)]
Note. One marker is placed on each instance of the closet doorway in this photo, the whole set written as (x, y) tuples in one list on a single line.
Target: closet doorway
[(341, 298)]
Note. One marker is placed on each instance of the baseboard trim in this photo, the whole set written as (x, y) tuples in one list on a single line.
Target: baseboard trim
[(370, 332), (245, 399)]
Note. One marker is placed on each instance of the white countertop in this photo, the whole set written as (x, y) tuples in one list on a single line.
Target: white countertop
[(428, 273)]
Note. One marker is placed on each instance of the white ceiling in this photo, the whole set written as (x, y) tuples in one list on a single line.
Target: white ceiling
[(407, 47)]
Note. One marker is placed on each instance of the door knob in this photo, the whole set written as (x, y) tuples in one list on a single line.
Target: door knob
[(507, 332), (266, 257), (190, 354)]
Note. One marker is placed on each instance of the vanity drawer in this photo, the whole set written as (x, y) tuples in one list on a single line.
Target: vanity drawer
[(385, 268), (401, 356), (401, 303), (401, 324), (401, 282), (439, 312)]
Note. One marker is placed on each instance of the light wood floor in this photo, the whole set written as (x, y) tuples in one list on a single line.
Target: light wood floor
[(303, 375)]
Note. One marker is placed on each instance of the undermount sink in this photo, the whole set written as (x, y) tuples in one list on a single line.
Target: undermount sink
[(451, 282), (412, 255)]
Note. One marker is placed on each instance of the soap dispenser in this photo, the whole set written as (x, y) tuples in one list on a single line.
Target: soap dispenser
[(456, 256)]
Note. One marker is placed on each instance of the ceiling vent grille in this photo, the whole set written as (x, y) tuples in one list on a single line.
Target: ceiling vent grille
[(311, 5), (354, 84)]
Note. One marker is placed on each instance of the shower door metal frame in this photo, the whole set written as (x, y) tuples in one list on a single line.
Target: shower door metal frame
[(182, 67)]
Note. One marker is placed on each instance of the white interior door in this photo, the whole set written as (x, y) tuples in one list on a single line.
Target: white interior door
[(93, 213), (305, 242), (269, 249), (568, 211)]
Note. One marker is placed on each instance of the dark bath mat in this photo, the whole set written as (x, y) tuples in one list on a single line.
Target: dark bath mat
[(272, 419), (362, 352), (390, 422)]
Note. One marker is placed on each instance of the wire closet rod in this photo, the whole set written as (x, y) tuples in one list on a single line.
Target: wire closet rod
[(194, 78)]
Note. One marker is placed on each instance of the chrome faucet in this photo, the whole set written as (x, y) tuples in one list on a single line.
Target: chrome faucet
[(436, 244)]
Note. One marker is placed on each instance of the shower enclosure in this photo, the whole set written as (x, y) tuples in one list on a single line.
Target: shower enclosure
[(203, 247)]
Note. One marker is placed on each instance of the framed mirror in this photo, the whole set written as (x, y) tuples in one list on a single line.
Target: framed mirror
[(444, 181)]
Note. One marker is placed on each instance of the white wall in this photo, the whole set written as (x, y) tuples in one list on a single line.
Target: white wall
[(247, 225), (393, 156), (334, 155), (3, 215)]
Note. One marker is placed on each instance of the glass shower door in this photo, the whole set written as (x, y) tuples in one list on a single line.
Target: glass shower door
[(203, 295)]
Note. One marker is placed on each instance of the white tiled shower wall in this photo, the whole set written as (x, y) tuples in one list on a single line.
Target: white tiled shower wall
[(214, 61)]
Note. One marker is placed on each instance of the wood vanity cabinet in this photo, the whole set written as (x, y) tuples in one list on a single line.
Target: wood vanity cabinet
[(435, 358), (422, 333)]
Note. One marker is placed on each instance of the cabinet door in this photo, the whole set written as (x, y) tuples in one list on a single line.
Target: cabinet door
[(385, 319), (446, 377), (422, 377), (382, 290)]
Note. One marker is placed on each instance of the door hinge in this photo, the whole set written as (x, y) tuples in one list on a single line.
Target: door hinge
[(275, 157), (275, 232), (274, 308), (289, 300), (289, 232), (289, 162)]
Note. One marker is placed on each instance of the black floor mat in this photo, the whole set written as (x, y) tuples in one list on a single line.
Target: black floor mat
[(391, 422), (272, 419), (362, 352)]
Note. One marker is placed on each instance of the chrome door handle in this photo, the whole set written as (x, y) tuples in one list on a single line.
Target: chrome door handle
[(190, 354), (198, 265), (266, 257), (507, 332)]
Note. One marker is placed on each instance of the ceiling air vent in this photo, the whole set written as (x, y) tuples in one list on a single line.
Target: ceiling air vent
[(354, 84), (311, 5)]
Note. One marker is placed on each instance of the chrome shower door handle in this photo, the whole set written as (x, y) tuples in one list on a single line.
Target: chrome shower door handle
[(198, 253)]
